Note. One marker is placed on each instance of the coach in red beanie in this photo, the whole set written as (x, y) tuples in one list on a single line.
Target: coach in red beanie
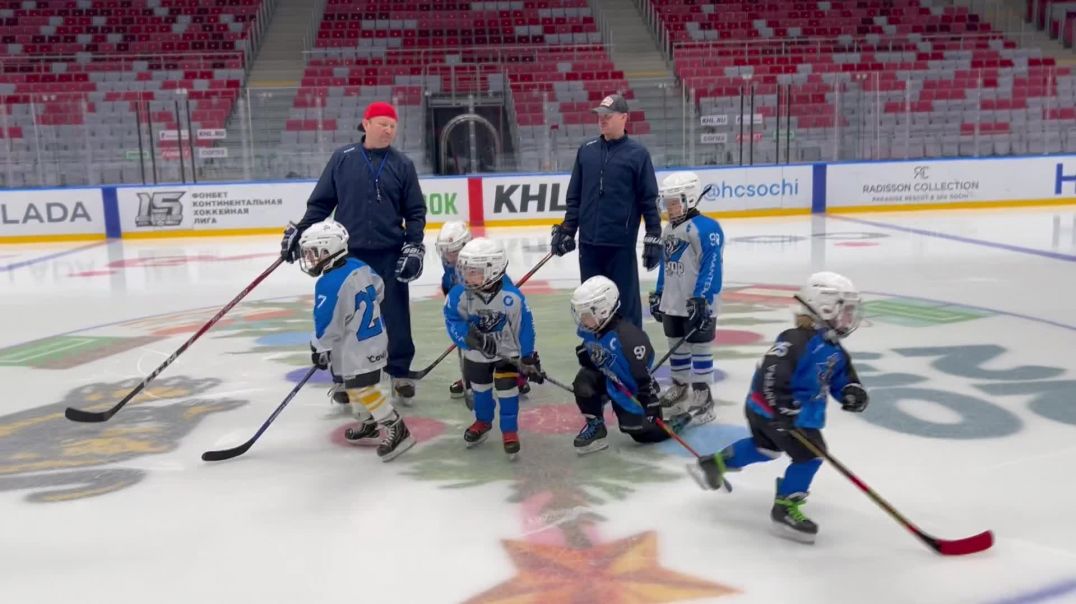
[(375, 193), (379, 124)]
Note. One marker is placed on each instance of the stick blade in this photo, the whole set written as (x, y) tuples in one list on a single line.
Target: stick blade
[(89, 417), (223, 454), (968, 545)]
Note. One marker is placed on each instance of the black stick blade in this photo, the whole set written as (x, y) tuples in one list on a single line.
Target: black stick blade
[(223, 454), (89, 417)]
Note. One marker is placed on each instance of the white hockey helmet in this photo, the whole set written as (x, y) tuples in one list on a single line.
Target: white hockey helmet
[(833, 300), (481, 263), (453, 236), (680, 193), (594, 303), (321, 246)]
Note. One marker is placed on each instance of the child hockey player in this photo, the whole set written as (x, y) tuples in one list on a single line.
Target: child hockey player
[(614, 355), (487, 317), (689, 280), (349, 335), (789, 392), (453, 236)]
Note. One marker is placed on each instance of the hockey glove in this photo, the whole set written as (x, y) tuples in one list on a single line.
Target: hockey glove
[(698, 314), (649, 397), (854, 398), (320, 358), (563, 240), (651, 252), (785, 418), (409, 265), (482, 342), (655, 307), (584, 358), (289, 245), (532, 368)]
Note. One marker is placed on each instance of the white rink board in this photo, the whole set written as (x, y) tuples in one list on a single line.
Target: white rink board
[(945, 182), (755, 188), (252, 206), (29, 213)]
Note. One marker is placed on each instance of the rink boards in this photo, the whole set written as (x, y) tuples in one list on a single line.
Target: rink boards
[(135, 211)]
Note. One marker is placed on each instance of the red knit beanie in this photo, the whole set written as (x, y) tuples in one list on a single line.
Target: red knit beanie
[(380, 109)]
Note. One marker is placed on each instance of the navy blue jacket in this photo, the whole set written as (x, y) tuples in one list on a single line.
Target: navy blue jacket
[(347, 186), (613, 185)]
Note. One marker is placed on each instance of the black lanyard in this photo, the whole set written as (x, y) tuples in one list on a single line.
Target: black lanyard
[(376, 175), (607, 154)]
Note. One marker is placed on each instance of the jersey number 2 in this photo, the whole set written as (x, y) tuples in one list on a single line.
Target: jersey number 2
[(370, 325)]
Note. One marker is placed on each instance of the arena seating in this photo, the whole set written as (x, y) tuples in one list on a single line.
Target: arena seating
[(73, 73), (921, 78), (547, 55)]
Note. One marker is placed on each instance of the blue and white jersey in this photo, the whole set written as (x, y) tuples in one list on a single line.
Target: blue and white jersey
[(624, 354), (691, 263), (797, 375), (504, 314), (449, 279), (347, 318)]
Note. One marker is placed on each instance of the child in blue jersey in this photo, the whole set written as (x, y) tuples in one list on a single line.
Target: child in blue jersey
[(615, 359), (686, 298), (349, 336), (805, 366), (487, 317), (453, 236)]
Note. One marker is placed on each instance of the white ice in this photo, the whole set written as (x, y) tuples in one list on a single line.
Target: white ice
[(304, 518)]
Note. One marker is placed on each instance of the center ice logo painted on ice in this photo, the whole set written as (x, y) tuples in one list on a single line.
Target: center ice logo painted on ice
[(55, 460)]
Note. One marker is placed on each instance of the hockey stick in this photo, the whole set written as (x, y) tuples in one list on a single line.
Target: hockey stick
[(662, 360), (958, 547), (657, 420), (79, 415), (223, 454), (624, 390), (945, 547), (418, 375)]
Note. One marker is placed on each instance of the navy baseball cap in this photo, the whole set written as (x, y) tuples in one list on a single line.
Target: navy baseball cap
[(614, 103)]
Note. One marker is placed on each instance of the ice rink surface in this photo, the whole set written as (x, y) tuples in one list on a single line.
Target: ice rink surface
[(967, 351)]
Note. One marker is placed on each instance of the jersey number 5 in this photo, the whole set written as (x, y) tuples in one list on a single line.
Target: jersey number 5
[(370, 325)]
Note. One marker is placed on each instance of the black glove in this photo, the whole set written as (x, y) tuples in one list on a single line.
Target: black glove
[(563, 240), (584, 357), (655, 307), (651, 252), (482, 342), (698, 314), (320, 358), (289, 245), (649, 397), (854, 398), (532, 368), (409, 265)]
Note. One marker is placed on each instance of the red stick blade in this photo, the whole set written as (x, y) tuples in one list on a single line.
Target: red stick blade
[(968, 545)]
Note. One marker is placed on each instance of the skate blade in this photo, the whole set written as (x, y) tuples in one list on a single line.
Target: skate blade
[(456, 395), (699, 475), (704, 416), (481, 439), (787, 532), (369, 441), (592, 448), (405, 401), (404, 445), (696, 473), (513, 456)]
